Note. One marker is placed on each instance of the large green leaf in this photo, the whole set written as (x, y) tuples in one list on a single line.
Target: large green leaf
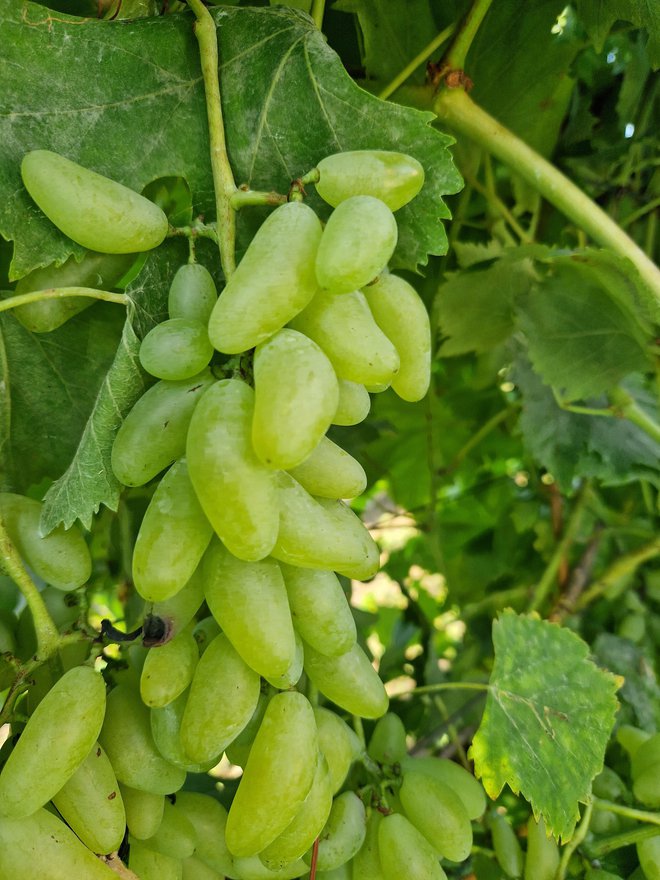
[(598, 17), (548, 717)]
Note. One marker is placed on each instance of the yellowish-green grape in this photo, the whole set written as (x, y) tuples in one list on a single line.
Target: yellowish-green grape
[(354, 403), (349, 680), (249, 601), (176, 349), (166, 731), (357, 243), (153, 434), (126, 737), (388, 741), (330, 472), (306, 825), (645, 769), (344, 328), (296, 396), (169, 669), (273, 787), (366, 861), (176, 836), (438, 812), (214, 716), (469, 789), (508, 852), (339, 743), (205, 631), (42, 846), (174, 614), (291, 677), (93, 210), (209, 819), (394, 178), (237, 492), (405, 852), (648, 852), (322, 533), (343, 833), (144, 811), (91, 804), (631, 738), (38, 768), (542, 857), (272, 283), (252, 868), (196, 869), (172, 539), (401, 314), (239, 750), (147, 864), (60, 558), (192, 294), (320, 610)]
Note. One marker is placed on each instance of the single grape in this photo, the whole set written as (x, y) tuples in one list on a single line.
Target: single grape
[(339, 743), (542, 858), (388, 741), (319, 609), (343, 833), (169, 669), (239, 750), (508, 852), (172, 615), (195, 869), (192, 294), (349, 680), (645, 770), (405, 852), (176, 836), (176, 349), (144, 811), (394, 178), (209, 819), (354, 403), (330, 472), (648, 852), (291, 676), (470, 790), (438, 812), (166, 731), (366, 862), (147, 864)]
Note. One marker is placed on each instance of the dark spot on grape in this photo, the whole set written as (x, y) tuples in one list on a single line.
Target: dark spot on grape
[(112, 795), (98, 752)]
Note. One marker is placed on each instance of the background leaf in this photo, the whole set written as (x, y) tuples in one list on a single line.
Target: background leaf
[(598, 17)]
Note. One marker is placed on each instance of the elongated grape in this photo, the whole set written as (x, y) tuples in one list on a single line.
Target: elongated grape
[(239, 750), (296, 396), (172, 539), (213, 717), (330, 472), (41, 845), (469, 789), (438, 812), (388, 741), (91, 804), (394, 178), (343, 833), (319, 609), (344, 328), (306, 825), (631, 738), (321, 533), (252, 868), (176, 349), (249, 601), (153, 434), (272, 283), (205, 631), (94, 270), (357, 243), (338, 743), (601, 874), (349, 680), (36, 770), (401, 314), (171, 616), (366, 862), (148, 864), (645, 770), (542, 858), (291, 677), (126, 737), (93, 210), (61, 558), (144, 811), (354, 403), (209, 819), (176, 836), (196, 869), (166, 731), (273, 787), (508, 852), (169, 669), (192, 294), (405, 852), (237, 492), (648, 852)]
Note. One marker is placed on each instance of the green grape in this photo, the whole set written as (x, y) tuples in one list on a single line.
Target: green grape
[(542, 858), (645, 769), (291, 677), (144, 811), (176, 349), (296, 396), (463, 783), (205, 631), (508, 852), (631, 738), (252, 868), (438, 812), (394, 178), (338, 743), (388, 741), (153, 434), (192, 294), (330, 472), (94, 270), (344, 328), (61, 558), (249, 601), (604, 822), (319, 609), (91, 804), (322, 533), (273, 787), (174, 614), (354, 403), (349, 680), (357, 243), (169, 669), (150, 865), (600, 874), (237, 493), (166, 731), (196, 869), (213, 717), (209, 819), (405, 852), (93, 210), (126, 737), (306, 825), (648, 852), (343, 833), (176, 835), (42, 846), (172, 539), (272, 283), (239, 750), (343, 872), (609, 785), (401, 315), (366, 861), (38, 767)]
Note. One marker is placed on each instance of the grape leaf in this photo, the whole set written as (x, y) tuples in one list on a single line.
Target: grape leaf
[(548, 717), (640, 693), (598, 16)]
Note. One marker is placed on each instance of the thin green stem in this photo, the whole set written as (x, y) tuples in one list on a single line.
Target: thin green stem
[(575, 841), (451, 730), (242, 198), (223, 177), (620, 568), (618, 841), (628, 812), (446, 686), (358, 727), (495, 601), (640, 212), (317, 11), (418, 60), (455, 108), (486, 429), (498, 205), (627, 407), (455, 57), (23, 299)]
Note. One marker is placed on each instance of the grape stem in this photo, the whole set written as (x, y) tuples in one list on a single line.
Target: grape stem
[(618, 841), (574, 842), (242, 198), (628, 812), (419, 59), (317, 10), (455, 57), (446, 686), (23, 299)]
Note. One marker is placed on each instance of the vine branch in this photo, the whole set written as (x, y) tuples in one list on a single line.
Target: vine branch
[(457, 53), (23, 299)]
